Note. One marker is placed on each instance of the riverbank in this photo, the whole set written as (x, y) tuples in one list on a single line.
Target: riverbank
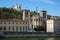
[(28, 34), (30, 38), (40, 35)]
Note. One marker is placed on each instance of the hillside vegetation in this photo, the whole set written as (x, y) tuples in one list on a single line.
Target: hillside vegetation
[(7, 13)]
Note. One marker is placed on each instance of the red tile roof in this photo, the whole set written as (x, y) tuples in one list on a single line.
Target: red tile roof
[(13, 20)]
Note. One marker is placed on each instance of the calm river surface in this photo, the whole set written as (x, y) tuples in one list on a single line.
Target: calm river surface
[(32, 38)]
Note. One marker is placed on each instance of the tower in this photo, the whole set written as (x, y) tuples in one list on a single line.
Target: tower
[(43, 15), (26, 14)]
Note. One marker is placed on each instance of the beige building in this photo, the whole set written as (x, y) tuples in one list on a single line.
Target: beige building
[(26, 15), (50, 25), (55, 17), (36, 20), (53, 25), (43, 15), (39, 19), (12, 25)]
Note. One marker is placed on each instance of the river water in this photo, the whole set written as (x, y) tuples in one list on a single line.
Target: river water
[(31, 38)]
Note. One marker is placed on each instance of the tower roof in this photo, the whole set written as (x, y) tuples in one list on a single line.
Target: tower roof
[(26, 10), (43, 11)]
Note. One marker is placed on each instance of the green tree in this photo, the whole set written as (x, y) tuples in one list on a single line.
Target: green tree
[(48, 16), (7, 13), (39, 28)]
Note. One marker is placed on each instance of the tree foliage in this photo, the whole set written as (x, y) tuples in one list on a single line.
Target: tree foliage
[(8, 13), (39, 28), (48, 16)]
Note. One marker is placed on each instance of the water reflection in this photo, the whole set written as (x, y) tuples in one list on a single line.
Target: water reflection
[(57, 38), (50, 39), (32, 38)]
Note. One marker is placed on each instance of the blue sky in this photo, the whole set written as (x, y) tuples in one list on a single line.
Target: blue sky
[(52, 6)]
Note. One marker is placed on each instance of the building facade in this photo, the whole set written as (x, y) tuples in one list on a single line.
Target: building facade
[(55, 17), (50, 26), (36, 20), (39, 19), (43, 15), (26, 15), (53, 25), (11, 25)]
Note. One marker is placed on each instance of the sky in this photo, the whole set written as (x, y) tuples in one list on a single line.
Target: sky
[(51, 6)]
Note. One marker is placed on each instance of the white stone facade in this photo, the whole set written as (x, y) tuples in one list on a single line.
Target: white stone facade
[(53, 25)]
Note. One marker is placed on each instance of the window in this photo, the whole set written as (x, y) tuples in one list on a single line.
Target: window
[(16, 28), (9, 28), (26, 22), (39, 19), (9, 22), (20, 28), (13, 23), (4, 28), (1, 22), (16, 23), (34, 19), (20, 22), (0, 28), (12, 28), (26, 13), (32, 26), (23, 28), (26, 28), (4, 22), (23, 23)]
